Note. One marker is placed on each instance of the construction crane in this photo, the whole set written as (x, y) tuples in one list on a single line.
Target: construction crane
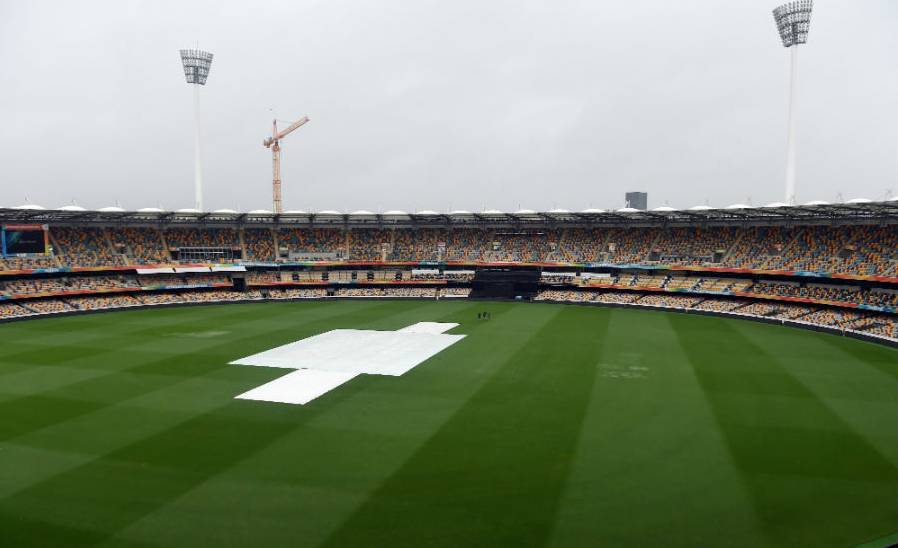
[(274, 143)]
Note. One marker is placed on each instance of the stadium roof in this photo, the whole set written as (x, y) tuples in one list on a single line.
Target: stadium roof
[(774, 214)]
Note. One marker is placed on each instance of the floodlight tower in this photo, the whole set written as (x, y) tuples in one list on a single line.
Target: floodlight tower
[(793, 20), (196, 69)]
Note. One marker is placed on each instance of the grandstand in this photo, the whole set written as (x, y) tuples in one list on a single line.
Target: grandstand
[(831, 266)]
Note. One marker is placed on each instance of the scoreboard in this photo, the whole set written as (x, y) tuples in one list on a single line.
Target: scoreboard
[(24, 240)]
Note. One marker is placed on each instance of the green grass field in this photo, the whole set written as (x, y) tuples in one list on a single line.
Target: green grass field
[(549, 425)]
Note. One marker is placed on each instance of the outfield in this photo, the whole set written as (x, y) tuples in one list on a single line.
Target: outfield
[(548, 425)]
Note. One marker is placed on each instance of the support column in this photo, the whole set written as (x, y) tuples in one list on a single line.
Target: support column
[(792, 121), (198, 153)]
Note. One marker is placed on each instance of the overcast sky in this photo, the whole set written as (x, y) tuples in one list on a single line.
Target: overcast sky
[(435, 104)]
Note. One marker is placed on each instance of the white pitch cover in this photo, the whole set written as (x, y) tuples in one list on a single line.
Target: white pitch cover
[(299, 387), (434, 328), (329, 359)]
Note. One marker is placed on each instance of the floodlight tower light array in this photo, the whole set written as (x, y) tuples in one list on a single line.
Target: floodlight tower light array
[(793, 21), (196, 65)]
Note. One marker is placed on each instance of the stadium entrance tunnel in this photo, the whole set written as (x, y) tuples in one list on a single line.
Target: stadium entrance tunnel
[(504, 283), (239, 283)]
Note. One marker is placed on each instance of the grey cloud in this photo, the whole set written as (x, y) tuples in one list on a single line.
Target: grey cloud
[(433, 104)]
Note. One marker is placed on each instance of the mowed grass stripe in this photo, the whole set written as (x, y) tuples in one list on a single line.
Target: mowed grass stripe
[(143, 375), (35, 420), (84, 506), (333, 462), (118, 488), (152, 455), (160, 375), (847, 376), (67, 426), (164, 330), (493, 474), (136, 472), (813, 470), (827, 355), (118, 332), (651, 469)]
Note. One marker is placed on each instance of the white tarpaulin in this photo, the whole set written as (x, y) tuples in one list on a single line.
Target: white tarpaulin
[(347, 352), (356, 351), (434, 328), (299, 387)]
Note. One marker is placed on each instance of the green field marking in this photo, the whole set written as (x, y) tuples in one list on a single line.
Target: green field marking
[(651, 467), (798, 459), (331, 484), (141, 375), (120, 487), (548, 425), (493, 474)]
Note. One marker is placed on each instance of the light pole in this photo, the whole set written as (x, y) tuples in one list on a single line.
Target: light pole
[(196, 69), (793, 20)]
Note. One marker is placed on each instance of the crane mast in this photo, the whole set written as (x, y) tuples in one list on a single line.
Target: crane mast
[(274, 143)]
